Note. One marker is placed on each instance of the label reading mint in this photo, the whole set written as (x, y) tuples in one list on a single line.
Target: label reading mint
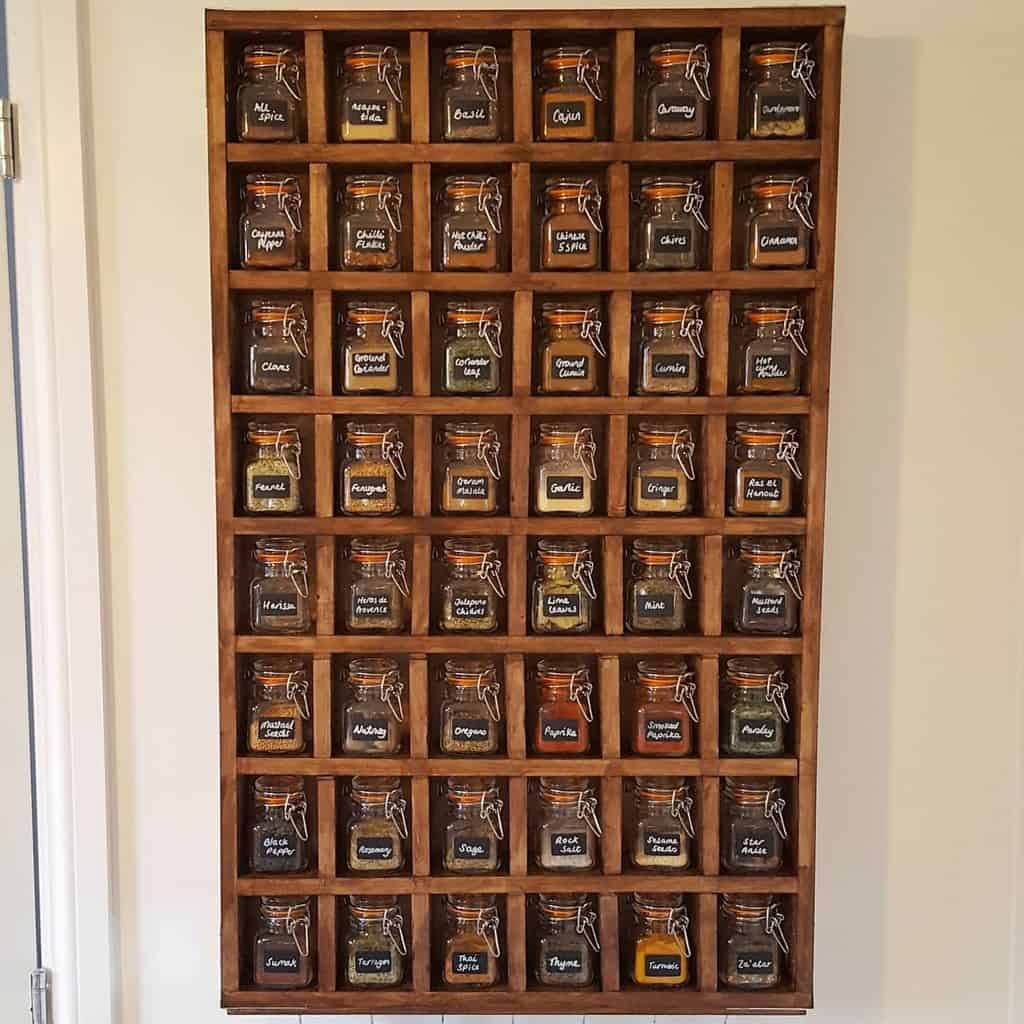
[(570, 367), (778, 239), (366, 488), (758, 963), (671, 367), (563, 961), (566, 241), (571, 114), (762, 488), (656, 606), (275, 962), (765, 606), (470, 111), (471, 487), (371, 606), (752, 845), (672, 240), (271, 486), (371, 364), (468, 240), (473, 848), (759, 729), (663, 965), (366, 111), (560, 730), (568, 844), (676, 107), (662, 844), (277, 728), (470, 607), (564, 488), (470, 963), (279, 366), (371, 240), (280, 605), (470, 730), (561, 606), (773, 107), (373, 730), (378, 848), (659, 488), (373, 961), (663, 730), (270, 112), (473, 368)]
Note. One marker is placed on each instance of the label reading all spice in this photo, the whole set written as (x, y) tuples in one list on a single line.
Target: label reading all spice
[(672, 240), (373, 961), (663, 965), (676, 108), (279, 605), (471, 487), (470, 730), (564, 488), (771, 367), (470, 111), (377, 848), (270, 111), (563, 961), (778, 108), (371, 240), (472, 368), (565, 241), (371, 606), (766, 606), (778, 239), (570, 367), (672, 367), (756, 964), (366, 488), (762, 488), (662, 844), (468, 240), (278, 847), (470, 963), (656, 606), (268, 239), (761, 730), (368, 729), (464, 607), (663, 730), (277, 728), (570, 114), (473, 848), (271, 486), (560, 730), (276, 962), (751, 845), (279, 366), (371, 364), (568, 844), (366, 111), (659, 488), (561, 606)]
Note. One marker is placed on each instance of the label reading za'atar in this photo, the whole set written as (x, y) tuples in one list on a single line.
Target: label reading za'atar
[(779, 108), (371, 240), (757, 964), (271, 486), (672, 240), (469, 487), (676, 108), (778, 239), (762, 488), (366, 111), (571, 114), (561, 606), (565, 241)]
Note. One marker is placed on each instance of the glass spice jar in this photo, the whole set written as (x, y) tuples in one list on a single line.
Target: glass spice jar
[(564, 470), (769, 356), (564, 590), (283, 943), (663, 825), (753, 826), (278, 709), (471, 708), (271, 222), (778, 222), (754, 711), (665, 708), (671, 348), (273, 468), (470, 218), (370, 97), (564, 708), (472, 943), (566, 940), (372, 716), (752, 943), (269, 95), (767, 594), (377, 831), (372, 348), (569, 91), (371, 469), (661, 940), (279, 833), (662, 472), (567, 825), (378, 594), (469, 100), (762, 469), (473, 829), (375, 948), (671, 230), (470, 469), (472, 348), (779, 90), (570, 337), (276, 348), (571, 229), (658, 593), (279, 593), (370, 223), (678, 91), (470, 595)]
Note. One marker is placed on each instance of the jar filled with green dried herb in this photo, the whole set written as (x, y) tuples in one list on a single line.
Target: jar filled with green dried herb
[(375, 948), (752, 943), (273, 468), (473, 593), (372, 716), (472, 348), (279, 593), (470, 469), (471, 708), (371, 469), (283, 951), (474, 832), (564, 591), (279, 833), (753, 826), (276, 348), (754, 710), (278, 712), (658, 593), (377, 831), (378, 595), (372, 348), (671, 348)]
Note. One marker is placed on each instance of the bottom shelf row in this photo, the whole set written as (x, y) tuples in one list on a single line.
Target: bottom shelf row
[(657, 937)]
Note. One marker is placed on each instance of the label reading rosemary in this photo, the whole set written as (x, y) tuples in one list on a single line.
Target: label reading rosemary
[(379, 848)]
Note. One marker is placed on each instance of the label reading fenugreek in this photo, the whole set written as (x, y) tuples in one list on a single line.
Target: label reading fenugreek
[(571, 114), (678, 107), (670, 367), (366, 111), (271, 486), (561, 606), (672, 240), (569, 241), (368, 488), (662, 844), (774, 107), (471, 487), (762, 488)]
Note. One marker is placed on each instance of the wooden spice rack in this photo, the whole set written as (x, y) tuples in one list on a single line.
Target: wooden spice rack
[(726, 159)]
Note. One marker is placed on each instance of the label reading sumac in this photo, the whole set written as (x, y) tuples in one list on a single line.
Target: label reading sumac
[(367, 488), (275, 962), (371, 364), (663, 730), (670, 367), (277, 728), (778, 239), (379, 848), (760, 729), (663, 965), (563, 961), (560, 730), (279, 605), (676, 108), (470, 487), (771, 367), (779, 108), (570, 367), (662, 844), (568, 844), (766, 606), (470, 963), (373, 961), (368, 730), (561, 606), (371, 606), (366, 111), (470, 730), (470, 111), (672, 240), (762, 488), (655, 606), (473, 848), (563, 488), (571, 114), (371, 240), (468, 240), (270, 112), (464, 607), (659, 488), (566, 241), (271, 486), (757, 963)]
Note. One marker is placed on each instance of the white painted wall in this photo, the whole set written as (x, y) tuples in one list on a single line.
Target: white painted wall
[(919, 871)]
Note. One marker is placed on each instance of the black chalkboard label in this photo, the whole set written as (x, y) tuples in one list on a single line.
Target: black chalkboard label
[(663, 730), (473, 368), (277, 728), (371, 606), (663, 965), (672, 240), (270, 112), (560, 730), (470, 730), (470, 963), (662, 844), (771, 367), (373, 961), (470, 487), (473, 848), (778, 239), (659, 488), (276, 962), (371, 364), (279, 605), (565, 241), (371, 240), (760, 729), (765, 606), (470, 607), (670, 366), (757, 963), (775, 107), (470, 111), (267, 239), (364, 728), (365, 488), (752, 845), (375, 848), (571, 114), (278, 848), (468, 240), (561, 606), (271, 486), (676, 107), (563, 488), (568, 844), (570, 367), (366, 111), (563, 961), (279, 366), (655, 606), (762, 488)]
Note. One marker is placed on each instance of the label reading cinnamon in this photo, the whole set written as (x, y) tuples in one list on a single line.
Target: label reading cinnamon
[(778, 239)]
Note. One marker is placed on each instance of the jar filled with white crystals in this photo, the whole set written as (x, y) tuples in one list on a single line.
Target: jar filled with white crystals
[(567, 829), (273, 468), (372, 348)]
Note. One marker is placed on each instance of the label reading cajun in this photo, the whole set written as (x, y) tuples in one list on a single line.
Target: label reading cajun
[(571, 114)]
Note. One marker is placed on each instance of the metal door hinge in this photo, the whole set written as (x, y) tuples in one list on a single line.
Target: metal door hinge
[(41, 995), (8, 142)]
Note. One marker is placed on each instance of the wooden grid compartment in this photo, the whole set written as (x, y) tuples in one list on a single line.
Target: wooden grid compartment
[(724, 161)]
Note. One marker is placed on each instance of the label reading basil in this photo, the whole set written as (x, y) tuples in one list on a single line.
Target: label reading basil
[(750, 845), (470, 963), (278, 848), (570, 367), (366, 488), (559, 730), (473, 848), (656, 606), (270, 111), (271, 486), (470, 730), (659, 488), (567, 115), (468, 240), (778, 239), (766, 606), (378, 848), (277, 728), (762, 488), (568, 844), (280, 605), (662, 844), (565, 241), (563, 961), (561, 606), (371, 364), (373, 961), (368, 729), (670, 366), (676, 107), (474, 368), (276, 962), (564, 488), (663, 965), (470, 487), (366, 111), (762, 729), (470, 607), (279, 366), (672, 240), (778, 108), (470, 111), (371, 606), (757, 963), (663, 730), (371, 240)]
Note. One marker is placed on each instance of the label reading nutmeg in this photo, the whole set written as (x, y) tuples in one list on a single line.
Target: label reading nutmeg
[(368, 730)]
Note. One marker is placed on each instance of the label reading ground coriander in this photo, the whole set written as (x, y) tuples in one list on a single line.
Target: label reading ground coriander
[(566, 115), (560, 730), (778, 108), (366, 111), (367, 488), (672, 240), (568, 844), (561, 606), (762, 488), (470, 487), (371, 364), (771, 367), (566, 241), (678, 108), (670, 367)]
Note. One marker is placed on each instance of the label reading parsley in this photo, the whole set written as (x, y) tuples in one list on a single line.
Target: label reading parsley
[(760, 729)]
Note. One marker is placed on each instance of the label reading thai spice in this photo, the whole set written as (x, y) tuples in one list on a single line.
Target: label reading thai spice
[(382, 848), (750, 846), (472, 368), (559, 730), (470, 963), (470, 487), (754, 964), (676, 108), (570, 367), (562, 606), (373, 961), (371, 729), (672, 240), (564, 488), (563, 961), (371, 606), (771, 367), (470, 730), (279, 605), (278, 848), (662, 965), (569, 240), (568, 844), (470, 111), (779, 108), (659, 488), (279, 366), (655, 606), (473, 848), (275, 962), (762, 729), (663, 730), (366, 111), (271, 486), (566, 115), (662, 844), (372, 240), (366, 488), (670, 367), (778, 239), (470, 607), (270, 112), (277, 728), (766, 606), (267, 239), (762, 488), (371, 364), (468, 240)]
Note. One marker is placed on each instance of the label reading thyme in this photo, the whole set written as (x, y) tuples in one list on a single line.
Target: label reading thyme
[(676, 108), (672, 367), (470, 487), (570, 240), (663, 730), (561, 606), (564, 488), (662, 844), (563, 961), (672, 240), (559, 730), (778, 108), (778, 239), (566, 115), (371, 240), (470, 963), (762, 488), (366, 111)]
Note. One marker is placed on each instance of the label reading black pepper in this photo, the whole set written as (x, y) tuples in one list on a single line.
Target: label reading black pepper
[(663, 965), (570, 367), (470, 963), (371, 364), (378, 848), (663, 730), (470, 730), (568, 844), (371, 730), (566, 241), (757, 963), (468, 240), (771, 367), (373, 961), (473, 848), (270, 112), (766, 606), (371, 240), (278, 848), (761, 730), (277, 728), (751, 845), (563, 961), (561, 606), (366, 111), (773, 107), (559, 730), (279, 605), (371, 606), (279, 366), (470, 111), (672, 367), (678, 107), (564, 488), (659, 488), (473, 368), (655, 606), (662, 844), (366, 488), (471, 487), (672, 240), (762, 488), (570, 114), (271, 486), (778, 239), (276, 962), (464, 607)]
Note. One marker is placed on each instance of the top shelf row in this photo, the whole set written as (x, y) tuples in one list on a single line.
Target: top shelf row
[(547, 85)]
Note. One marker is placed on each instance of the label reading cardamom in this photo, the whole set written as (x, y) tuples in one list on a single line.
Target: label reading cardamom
[(371, 364), (775, 107)]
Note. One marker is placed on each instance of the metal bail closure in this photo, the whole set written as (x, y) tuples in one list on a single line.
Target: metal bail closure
[(490, 570), (586, 808), (298, 928), (679, 926), (485, 69), (490, 810), (585, 449), (774, 805), (392, 448), (287, 73), (686, 692), (391, 694), (589, 203), (692, 326), (681, 808), (793, 328), (297, 574), (489, 202), (292, 446), (296, 329), (487, 926), (393, 924), (394, 569), (773, 921), (583, 570), (290, 203), (489, 448), (803, 69), (390, 201), (585, 922), (491, 331), (580, 692), (694, 205), (298, 691), (389, 71), (393, 328), (295, 815), (800, 201), (394, 808), (787, 453), (698, 66), (489, 696), (679, 570), (682, 452), (588, 72), (775, 691), (590, 330), (789, 570)]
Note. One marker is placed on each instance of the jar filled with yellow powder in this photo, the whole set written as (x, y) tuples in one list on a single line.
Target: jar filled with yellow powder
[(564, 469), (660, 940)]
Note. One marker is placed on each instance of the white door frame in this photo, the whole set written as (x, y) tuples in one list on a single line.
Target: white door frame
[(64, 550)]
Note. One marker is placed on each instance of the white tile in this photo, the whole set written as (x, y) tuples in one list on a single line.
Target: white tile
[(404, 1018), (546, 1018), (260, 1018), (336, 1018), (476, 1018), (689, 1018), (634, 1018)]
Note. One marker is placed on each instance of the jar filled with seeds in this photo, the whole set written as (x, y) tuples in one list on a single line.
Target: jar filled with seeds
[(268, 102), (471, 708), (473, 828), (665, 708), (370, 223), (752, 943), (472, 348), (564, 591), (473, 594), (569, 91), (754, 710), (375, 948), (273, 468), (470, 469), (768, 358), (377, 833), (378, 594), (778, 222), (754, 829), (470, 218), (469, 101), (279, 592), (662, 475), (278, 712), (271, 223), (678, 94), (565, 710), (663, 828), (372, 716), (472, 941), (568, 829), (672, 232), (567, 940), (762, 469), (570, 347), (779, 91), (279, 834), (372, 348), (276, 348), (370, 97), (371, 469), (661, 949), (283, 953), (658, 593), (572, 227), (766, 593), (671, 350), (564, 469)]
